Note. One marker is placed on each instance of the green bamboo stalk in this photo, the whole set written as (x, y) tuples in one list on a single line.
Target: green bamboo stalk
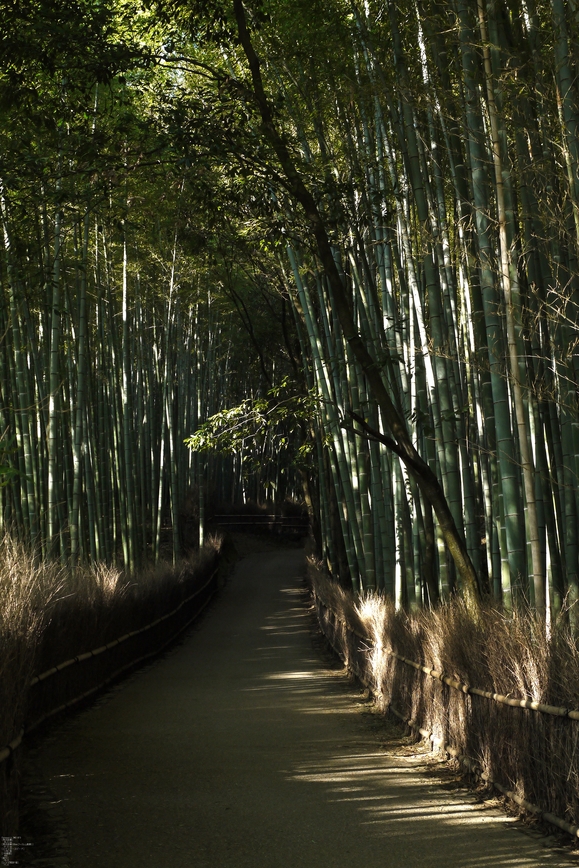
[(537, 576), (81, 364), (127, 437)]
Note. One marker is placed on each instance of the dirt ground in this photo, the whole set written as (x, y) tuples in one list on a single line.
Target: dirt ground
[(247, 746)]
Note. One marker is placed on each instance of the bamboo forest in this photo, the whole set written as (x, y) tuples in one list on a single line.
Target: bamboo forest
[(320, 251)]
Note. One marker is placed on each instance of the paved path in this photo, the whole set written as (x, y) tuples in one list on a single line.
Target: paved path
[(240, 748)]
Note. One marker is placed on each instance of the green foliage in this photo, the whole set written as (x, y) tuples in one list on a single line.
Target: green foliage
[(142, 121), (8, 472), (278, 419), (77, 44)]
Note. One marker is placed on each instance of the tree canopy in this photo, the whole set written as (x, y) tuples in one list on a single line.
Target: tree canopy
[(374, 206)]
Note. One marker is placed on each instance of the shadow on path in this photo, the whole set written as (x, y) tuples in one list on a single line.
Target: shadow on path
[(240, 748)]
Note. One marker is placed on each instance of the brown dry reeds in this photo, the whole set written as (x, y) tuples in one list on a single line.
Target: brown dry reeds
[(98, 603), (27, 591), (50, 613), (529, 753)]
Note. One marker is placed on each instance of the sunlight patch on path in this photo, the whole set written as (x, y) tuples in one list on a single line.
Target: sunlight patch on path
[(241, 749)]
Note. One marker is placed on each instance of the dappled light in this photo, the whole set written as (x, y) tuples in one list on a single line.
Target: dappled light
[(245, 748), (298, 269), (395, 797)]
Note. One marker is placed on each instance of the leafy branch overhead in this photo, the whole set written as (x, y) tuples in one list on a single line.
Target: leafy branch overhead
[(282, 421)]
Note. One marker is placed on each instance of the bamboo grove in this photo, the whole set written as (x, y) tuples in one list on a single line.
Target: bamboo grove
[(118, 322), (439, 142), (106, 366), (400, 182), (450, 215)]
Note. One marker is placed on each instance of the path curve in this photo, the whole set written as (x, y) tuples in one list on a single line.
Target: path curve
[(240, 748)]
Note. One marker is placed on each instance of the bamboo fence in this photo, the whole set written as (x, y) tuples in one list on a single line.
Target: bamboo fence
[(97, 669), (356, 649)]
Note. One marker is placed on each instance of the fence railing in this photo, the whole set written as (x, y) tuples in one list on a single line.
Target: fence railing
[(275, 523), (356, 651), (133, 648)]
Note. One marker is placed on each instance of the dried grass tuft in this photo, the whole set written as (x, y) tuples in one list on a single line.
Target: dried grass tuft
[(27, 589)]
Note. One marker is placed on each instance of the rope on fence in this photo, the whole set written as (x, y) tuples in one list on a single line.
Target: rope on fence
[(122, 669), (466, 761), (80, 657), (14, 744)]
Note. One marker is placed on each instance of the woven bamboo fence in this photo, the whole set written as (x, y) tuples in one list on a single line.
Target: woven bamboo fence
[(526, 750), (79, 678)]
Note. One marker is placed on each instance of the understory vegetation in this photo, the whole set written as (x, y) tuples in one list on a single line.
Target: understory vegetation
[(527, 752), (50, 613)]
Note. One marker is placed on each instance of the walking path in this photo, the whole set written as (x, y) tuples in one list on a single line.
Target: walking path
[(240, 748)]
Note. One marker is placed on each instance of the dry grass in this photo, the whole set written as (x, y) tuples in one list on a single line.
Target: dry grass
[(27, 591), (49, 614), (531, 753), (96, 604)]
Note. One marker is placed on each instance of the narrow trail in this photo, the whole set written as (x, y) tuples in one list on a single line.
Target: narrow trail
[(240, 748)]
